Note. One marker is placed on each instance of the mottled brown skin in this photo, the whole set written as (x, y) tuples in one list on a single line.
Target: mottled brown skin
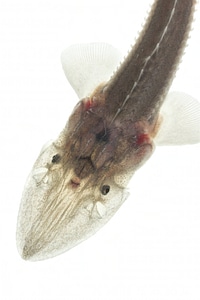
[(113, 129), (163, 39), (104, 147)]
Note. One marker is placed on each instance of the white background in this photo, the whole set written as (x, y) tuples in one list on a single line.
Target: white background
[(151, 248)]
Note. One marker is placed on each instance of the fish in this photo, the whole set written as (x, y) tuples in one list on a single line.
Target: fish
[(80, 180)]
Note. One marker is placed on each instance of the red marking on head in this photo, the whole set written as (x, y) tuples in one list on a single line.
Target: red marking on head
[(88, 102), (142, 139), (75, 182)]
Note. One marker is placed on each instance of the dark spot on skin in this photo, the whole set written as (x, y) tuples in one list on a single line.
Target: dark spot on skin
[(102, 136), (56, 159), (84, 167), (105, 189)]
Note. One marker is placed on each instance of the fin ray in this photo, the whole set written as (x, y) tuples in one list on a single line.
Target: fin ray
[(88, 65), (181, 120)]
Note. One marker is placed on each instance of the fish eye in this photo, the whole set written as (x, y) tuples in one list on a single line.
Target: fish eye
[(105, 189), (56, 158)]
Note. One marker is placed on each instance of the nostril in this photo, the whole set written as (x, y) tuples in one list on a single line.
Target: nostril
[(103, 136)]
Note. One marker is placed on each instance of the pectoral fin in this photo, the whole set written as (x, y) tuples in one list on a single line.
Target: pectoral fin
[(88, 65), (180, 120)]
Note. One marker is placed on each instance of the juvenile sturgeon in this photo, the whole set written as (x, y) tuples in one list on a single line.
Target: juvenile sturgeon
[(79, 181)]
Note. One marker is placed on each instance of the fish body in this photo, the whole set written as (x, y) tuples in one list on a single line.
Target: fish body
[(79, 181)]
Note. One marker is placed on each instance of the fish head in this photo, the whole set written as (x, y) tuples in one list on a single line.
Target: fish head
[(79, 181)]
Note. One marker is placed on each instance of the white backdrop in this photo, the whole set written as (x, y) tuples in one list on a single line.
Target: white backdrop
[(151, 248)]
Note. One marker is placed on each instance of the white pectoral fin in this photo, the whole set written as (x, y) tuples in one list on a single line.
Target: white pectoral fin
[(180, 123), (88, 65)]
